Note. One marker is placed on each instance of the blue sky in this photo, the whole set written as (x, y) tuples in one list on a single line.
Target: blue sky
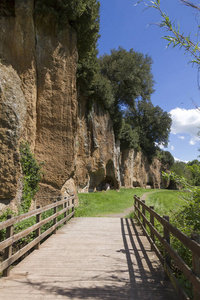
[(176, 88)]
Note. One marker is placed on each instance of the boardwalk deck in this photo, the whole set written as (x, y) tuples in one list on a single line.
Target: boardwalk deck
[(90, 258)]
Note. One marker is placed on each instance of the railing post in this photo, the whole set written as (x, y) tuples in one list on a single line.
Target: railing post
[(135, 202), (196, 263), (144, 213), (167, 238), (38, 231), (139, 215), (73, 207), (65, 206), (55, 219), (8, 250), (152, 223)]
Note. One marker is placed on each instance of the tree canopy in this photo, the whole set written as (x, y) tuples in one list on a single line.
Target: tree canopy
[(152, 124), (129, 80)]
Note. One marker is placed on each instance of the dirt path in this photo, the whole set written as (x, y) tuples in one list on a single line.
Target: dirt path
[(127, 210), (120, 215)]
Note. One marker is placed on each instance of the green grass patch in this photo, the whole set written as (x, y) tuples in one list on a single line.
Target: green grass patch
[(102, 203), (165, 202)]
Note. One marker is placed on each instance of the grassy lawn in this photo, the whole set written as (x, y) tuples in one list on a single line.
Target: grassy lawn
[(102, 203), (111, 202), (165, 202)]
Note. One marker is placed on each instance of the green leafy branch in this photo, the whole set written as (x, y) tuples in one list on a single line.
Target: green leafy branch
[(177, 38), (179, 180), (31, 176)]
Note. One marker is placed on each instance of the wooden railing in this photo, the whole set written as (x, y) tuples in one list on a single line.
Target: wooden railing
[(193, 244), (64, 209)]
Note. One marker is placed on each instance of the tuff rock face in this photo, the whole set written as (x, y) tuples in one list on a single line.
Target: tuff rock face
[(38, 103)]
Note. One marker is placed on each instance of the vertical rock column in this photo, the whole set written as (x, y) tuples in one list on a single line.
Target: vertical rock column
[(56, 57), (17, 89)]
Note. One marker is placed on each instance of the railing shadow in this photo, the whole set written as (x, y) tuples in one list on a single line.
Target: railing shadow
[(140, 279), (147, 279)]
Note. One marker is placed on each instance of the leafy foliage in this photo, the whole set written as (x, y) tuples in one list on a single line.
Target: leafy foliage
[(153, 126), (177, 38), (129, 137), (32, 175), (138, 124), (130, 75), (166, 158), (190, 170), (179, 180)]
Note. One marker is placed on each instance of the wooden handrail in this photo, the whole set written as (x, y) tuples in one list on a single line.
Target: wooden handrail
[(32, 213), (170, 253), (67, 211)]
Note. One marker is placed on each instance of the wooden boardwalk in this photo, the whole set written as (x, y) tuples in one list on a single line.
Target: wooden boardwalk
[(90, 258)]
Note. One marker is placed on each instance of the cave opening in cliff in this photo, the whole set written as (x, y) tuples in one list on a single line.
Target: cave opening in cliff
[(109, 182), (7, 8), (136, 184)]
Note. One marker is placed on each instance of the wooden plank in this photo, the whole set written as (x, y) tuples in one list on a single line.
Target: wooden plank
[(97, 258)]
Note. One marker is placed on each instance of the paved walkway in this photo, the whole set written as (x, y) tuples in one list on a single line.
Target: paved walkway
[(90, 258)]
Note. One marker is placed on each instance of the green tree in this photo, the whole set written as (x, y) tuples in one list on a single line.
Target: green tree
[(129, 137), (166, 158), (127, 79), (153, 126), (195, 173), (129, 74)]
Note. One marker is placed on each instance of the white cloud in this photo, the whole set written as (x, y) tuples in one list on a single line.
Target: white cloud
[(192, 142), (172, 148), (177, 159), (186, 121), (181, 137)]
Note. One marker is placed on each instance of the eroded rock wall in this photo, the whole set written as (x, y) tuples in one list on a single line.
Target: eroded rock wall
[(38, 104), (136, 171), (38, 98), (97, 162)]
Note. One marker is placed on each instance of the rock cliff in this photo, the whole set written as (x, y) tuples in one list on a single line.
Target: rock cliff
[(39, 104)]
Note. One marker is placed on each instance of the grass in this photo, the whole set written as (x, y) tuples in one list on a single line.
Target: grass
[(112, 202), (102, 203), (165, 202)]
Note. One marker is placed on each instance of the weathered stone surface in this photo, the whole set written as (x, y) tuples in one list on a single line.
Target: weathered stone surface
[(56, 101), (69, 189), (43, 80), (136, 171), (97, 157), (18, 93), (17, 47), (12, 113)]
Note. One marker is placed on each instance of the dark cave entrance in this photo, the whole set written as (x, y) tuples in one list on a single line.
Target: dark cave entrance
[(109, 182), (7, 8)]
